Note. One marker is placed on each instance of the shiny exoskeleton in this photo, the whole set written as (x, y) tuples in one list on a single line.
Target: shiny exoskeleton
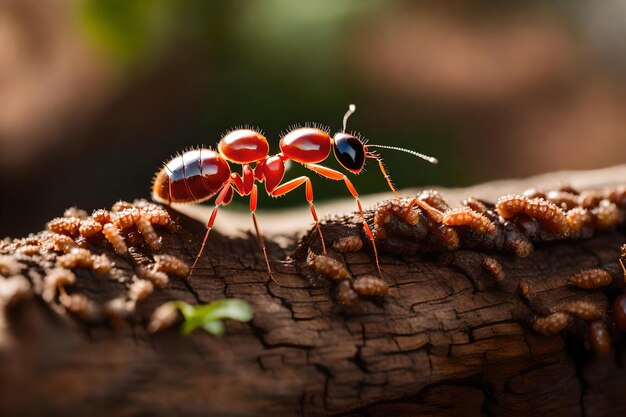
[(199, 174)]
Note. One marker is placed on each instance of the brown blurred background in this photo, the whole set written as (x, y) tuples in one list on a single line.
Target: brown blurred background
[(95, 94)]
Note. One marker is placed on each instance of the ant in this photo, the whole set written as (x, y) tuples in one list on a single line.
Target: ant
[(199, 174)]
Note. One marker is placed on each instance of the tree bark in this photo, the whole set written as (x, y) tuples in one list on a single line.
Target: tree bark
[(446, 341)]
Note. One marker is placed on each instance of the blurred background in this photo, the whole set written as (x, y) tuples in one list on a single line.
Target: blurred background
[(96, 94)]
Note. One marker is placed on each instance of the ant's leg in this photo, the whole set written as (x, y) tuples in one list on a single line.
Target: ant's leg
[(623, 267), (386, 175), (223, 197), (292, 185), (339, 176), (253, 201)]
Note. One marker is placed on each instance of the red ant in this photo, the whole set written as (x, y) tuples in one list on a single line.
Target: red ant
[(199, 174)]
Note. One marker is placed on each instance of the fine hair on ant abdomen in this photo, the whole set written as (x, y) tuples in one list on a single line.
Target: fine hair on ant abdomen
[(199, 174)]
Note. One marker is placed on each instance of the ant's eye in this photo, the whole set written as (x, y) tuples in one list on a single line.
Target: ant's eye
[(349, 151)]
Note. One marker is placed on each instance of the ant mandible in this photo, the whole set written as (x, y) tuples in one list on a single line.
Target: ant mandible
[(199, 174)]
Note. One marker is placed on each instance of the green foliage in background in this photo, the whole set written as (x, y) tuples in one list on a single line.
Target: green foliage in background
[(126, 29)]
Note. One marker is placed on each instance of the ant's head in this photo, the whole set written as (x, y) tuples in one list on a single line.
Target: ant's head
[(351, 152)]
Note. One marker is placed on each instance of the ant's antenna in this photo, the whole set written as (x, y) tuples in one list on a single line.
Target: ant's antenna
[(395, 148), (351, 109)]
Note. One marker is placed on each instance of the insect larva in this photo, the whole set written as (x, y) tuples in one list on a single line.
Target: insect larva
[(171, 264), (29, 250), (58, 277), (101, 216), (568, 189), (82, 242), (9, 265), (125, 218), (142, 203), (402, 209), (65, 225), (448, 236), (348, 244), (54, 279), (102, 265), (118, 309), (112, 234), (617, 195), (523, 291), (75, 212), (551, 324), (589, 199), (76, 258), (582, 309), (346, 294), (619, 311), (548, 214), (518, 244), (591, 278), (140, 290), (62, 243), (606, 215), (149, 234), (465, 216), (121, 205), (157, 215), (329, 267), (158, 278), (475, 204), (599, 338), (81, 306), (370, 286), (13, 290), (89, 227), (510, 205), (434, 199), (562, 199), (494, 268), (577, 218), (163, 317), (382, 216)]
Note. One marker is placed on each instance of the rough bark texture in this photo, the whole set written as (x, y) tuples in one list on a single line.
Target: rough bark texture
[(444, 342)]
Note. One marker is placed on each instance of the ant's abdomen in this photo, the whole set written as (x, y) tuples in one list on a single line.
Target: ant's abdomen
[(194, 176), (306, 145)]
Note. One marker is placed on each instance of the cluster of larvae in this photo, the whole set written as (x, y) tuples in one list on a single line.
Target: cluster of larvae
[(582, 318), (348, 289), (428, 224), (564, 317), (69, 245), (125, 224)]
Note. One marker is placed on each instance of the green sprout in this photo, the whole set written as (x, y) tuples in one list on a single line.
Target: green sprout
[(209, 316)]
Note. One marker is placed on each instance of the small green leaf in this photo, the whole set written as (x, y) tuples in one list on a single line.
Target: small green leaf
[(209, 316), (216, 327)]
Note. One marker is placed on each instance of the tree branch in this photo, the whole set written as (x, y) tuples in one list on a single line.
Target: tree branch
[(448, 340)]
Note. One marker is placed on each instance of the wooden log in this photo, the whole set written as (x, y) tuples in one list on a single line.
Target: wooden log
[(448, 340)]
